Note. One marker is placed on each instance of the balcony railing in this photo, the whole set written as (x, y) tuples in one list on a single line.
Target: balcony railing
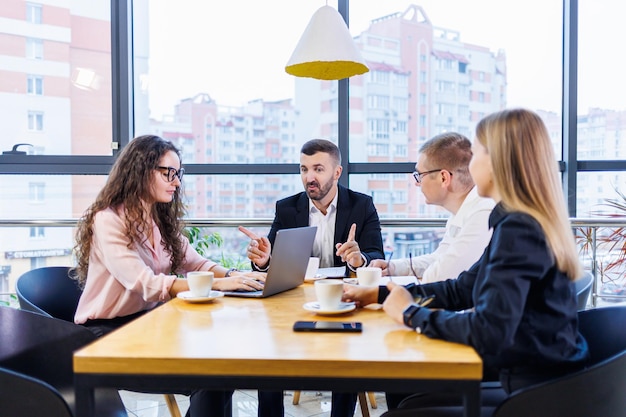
[(591, 256)]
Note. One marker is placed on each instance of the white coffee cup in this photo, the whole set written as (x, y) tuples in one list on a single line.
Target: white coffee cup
[(368, 276), (200, 283), (329, 292), (311, 269)]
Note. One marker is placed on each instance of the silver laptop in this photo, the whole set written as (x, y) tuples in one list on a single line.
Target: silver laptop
[(290, 257)]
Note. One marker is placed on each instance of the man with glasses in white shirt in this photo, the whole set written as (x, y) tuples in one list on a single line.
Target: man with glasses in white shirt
[(442, 173), (443, 177)]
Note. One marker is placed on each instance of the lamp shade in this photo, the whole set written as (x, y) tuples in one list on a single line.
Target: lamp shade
[(326, 50)]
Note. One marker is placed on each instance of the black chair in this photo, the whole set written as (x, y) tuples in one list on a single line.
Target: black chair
[(583, 288), (597, 390), (42, 348), (23, 396), (52, 292), (49, 291)]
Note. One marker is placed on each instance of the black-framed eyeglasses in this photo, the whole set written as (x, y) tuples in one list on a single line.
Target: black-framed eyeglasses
[(421, 300), (419, 175), (172, 173)]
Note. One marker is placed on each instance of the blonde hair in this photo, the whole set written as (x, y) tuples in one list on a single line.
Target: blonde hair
[(526, 175)]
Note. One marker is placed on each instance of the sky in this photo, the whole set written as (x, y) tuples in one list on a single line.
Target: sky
[(236, 50)]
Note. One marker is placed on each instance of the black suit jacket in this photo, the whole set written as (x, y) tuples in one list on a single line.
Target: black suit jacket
[(352, 207)]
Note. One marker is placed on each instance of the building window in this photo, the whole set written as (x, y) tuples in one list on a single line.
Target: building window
[(36, 192), (37, 263), (401, 104), (402, 80), (37, 232), (378, 149), (35, 121), (334, 105), (379, 77), (35, 85), (378, 102), (381, 197), (401, 151), (401, 127), (34, 48), (378, 129), (33, 13)]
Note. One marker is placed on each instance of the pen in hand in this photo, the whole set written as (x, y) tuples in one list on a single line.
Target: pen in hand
[(389, 266)]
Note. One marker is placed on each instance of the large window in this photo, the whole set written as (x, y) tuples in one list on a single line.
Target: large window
[(65, 47), (601, 83)]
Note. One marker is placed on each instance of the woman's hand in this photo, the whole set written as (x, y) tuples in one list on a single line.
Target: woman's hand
[(362, 296), (179, 285), (382, 264), (243, 281), (397, 301)]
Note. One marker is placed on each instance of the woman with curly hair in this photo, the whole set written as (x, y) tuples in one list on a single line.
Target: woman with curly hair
[(130, 247)]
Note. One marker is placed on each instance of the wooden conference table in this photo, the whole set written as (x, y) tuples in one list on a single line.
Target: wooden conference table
[(240, 343)]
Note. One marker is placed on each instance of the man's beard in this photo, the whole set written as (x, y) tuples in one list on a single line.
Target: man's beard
[(321, 192)]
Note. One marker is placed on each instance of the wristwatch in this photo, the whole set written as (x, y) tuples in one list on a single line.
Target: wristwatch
[(230, 271), (408, 314)]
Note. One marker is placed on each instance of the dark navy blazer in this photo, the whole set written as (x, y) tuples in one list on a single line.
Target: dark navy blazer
[(524, 309), (352, 207)]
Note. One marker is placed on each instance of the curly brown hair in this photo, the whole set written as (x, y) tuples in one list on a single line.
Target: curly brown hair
[(130, 186)]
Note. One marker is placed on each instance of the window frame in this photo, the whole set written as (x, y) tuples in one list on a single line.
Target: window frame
[(123, 119)]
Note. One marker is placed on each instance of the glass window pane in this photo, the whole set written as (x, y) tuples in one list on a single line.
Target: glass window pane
[(36, 197), (433, 71), (232, 196), (601, 84), (596, 189), (604, 197), (65, 47), (396, 196), (216, 77)]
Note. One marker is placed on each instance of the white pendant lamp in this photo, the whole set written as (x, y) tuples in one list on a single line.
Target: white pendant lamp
[(326, 50)]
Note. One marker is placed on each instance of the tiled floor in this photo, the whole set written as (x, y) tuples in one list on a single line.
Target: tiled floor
[(244, 404)]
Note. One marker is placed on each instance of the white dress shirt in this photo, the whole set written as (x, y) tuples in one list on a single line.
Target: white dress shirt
[(324, 244), (466, 237)]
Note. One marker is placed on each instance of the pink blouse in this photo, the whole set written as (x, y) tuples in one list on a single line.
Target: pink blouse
[(122, 280)]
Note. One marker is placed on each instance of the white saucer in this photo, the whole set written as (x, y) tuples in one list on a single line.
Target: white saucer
[(186, 295), (314, 306)]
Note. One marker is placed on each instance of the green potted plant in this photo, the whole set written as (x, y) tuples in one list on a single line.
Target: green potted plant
[(203, 243)]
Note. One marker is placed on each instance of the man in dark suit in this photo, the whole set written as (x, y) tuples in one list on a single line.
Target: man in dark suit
[(348, 233)]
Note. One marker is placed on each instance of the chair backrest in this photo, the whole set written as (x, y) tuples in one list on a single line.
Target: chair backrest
[(49, 291), (598, 390), (605, 331), (583, 288), (42, 347), (23, 396)]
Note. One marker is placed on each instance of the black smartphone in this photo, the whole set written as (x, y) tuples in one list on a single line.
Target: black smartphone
[(327, 326)]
